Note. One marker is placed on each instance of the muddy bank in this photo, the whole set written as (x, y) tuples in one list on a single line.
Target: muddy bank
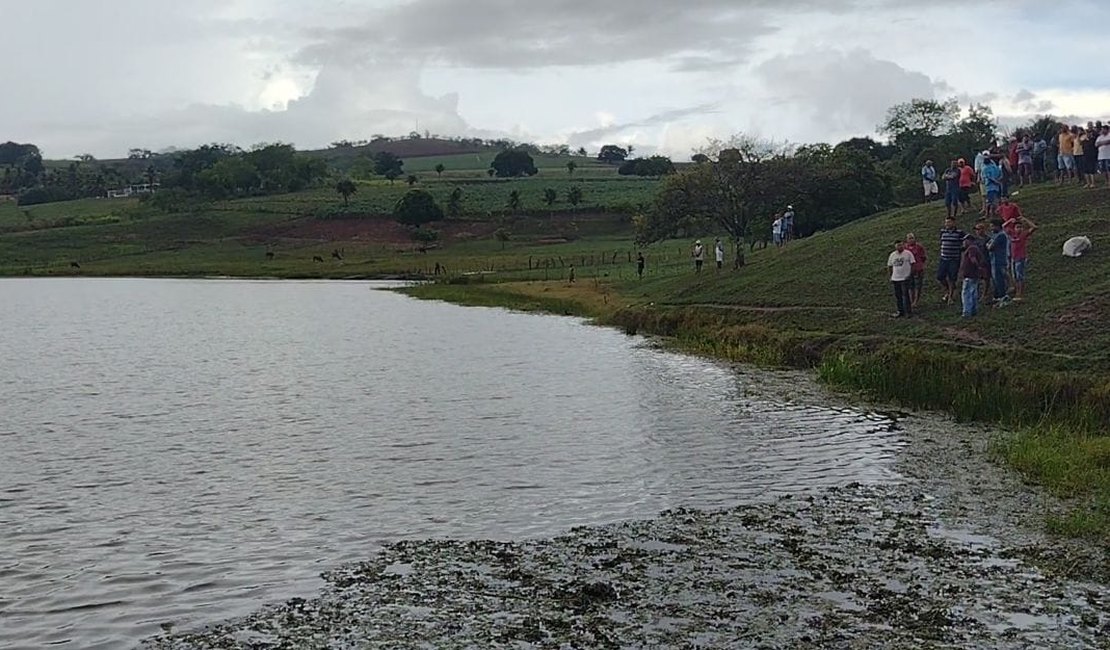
[(949, 558)]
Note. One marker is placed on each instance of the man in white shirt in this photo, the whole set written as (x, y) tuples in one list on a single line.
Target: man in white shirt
[(776, 232), (719, 252), (1103, 144), (699, 256), (900, 264)]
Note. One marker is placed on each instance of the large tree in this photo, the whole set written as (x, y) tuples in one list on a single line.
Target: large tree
[(513, 163), (388, 164), (919, 118), (417, 207), (346, 188), (612, 153)]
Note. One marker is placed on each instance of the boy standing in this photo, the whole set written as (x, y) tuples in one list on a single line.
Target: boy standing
[(1019, 229), (900, 264), (970, 263), (999, 247), (917, 278)]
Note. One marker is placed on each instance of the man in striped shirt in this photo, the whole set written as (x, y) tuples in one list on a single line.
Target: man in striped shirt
[(951, 247)]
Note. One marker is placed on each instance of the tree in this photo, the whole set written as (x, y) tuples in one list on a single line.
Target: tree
[(490, 172), (550, 196), (631, 148), (389, 165), (454, 203), (574, 195), (612, 153), (513, 163), (919, 118), (440, 168), (346, 188), (502, 235), (699, 158), (85, 158), (417, 207), (514, 200), (571, 166), (654, 166), (412, 180), (582, 152)]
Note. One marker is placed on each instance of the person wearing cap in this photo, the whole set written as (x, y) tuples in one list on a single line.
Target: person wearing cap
[(1103, 145), (699, 256), (971, 262), (929, 180), (788, 224), (1065, 161)]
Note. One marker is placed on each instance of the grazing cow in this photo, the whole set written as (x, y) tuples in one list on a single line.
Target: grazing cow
[(317, 258), (74, 265), (269, 255)]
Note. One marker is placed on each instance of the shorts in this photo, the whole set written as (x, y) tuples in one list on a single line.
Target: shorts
[(1025, 167), (1104, 166), (777, 238), (993, 196), (965, 195), (917, 280), (1066, 161), (953, 198), (930, 187), (948, 270), (1019, 270), (1090, 164)]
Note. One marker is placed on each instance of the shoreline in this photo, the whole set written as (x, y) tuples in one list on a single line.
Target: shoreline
[(945, 557)]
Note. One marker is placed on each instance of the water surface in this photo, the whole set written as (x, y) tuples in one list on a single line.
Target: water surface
[(177, 451)]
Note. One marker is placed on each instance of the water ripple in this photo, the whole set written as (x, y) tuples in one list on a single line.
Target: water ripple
[(189, 450)]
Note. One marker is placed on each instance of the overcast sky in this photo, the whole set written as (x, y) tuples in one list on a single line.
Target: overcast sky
[(104, 76)]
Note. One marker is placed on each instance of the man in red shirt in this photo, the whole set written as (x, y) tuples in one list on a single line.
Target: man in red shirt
[(967, 183), (1008, 211), (917, 278)]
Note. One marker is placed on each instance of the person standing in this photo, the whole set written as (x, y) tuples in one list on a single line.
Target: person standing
[(951, 240), (1019, 229), (952, 195), (900, 263), (992, 182), (970, 263), (1065, 161), (917, 278), (999, 247), (1025, 161), (776, 231), (640, 265), (1040, 148), (1090, 157), (967, 184), (699, 256), (1078, 138), (1103, 145), (719, 253), (929, 180), (981, 239), (788, 224)]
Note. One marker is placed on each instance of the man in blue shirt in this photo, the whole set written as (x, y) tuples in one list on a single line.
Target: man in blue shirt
[(999, 247), (992, 180)]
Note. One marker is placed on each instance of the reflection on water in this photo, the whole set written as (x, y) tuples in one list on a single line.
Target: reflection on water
[(184, 450)]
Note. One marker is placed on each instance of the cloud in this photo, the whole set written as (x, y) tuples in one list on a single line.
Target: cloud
[(840, 92)]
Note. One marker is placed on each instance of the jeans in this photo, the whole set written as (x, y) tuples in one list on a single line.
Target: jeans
[(970, 297), (902, 296), (999, 280)]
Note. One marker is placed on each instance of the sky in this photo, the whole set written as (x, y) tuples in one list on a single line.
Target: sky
[(106, 76)]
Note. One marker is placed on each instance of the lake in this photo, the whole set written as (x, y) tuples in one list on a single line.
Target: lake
[(181, 451)]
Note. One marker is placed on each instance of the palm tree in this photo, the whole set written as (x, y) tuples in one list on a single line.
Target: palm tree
[(346, 188), (571, 166), (439, 169)]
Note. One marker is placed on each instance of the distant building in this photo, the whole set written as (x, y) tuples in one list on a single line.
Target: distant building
[(134, 190)]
